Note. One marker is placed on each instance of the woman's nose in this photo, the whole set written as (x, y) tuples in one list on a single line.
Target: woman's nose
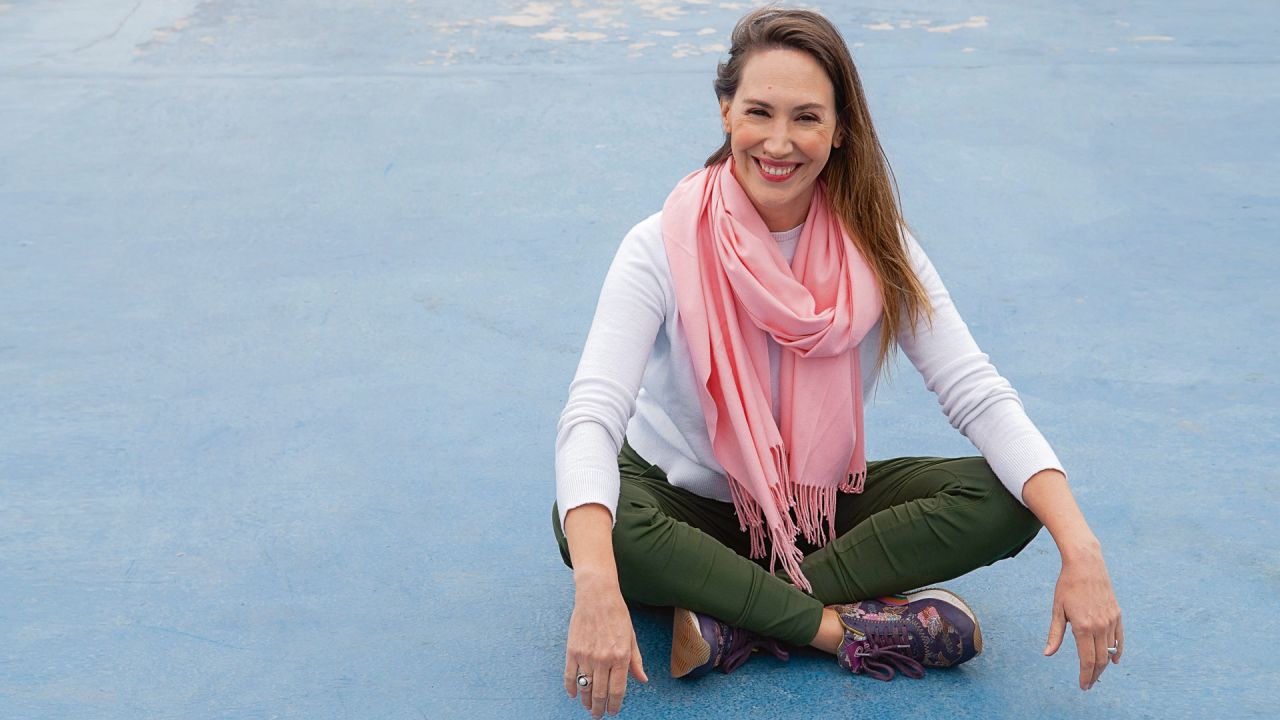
[(778, 141)]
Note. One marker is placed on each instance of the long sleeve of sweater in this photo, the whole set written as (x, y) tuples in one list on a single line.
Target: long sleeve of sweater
[(603, 393), (976, 399)]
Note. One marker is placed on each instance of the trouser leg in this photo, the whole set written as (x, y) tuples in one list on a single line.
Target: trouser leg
[(919, 521), (675, 548)]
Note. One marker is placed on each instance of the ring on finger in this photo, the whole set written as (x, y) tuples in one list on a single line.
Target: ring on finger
[(584, 680), (1113, 649)]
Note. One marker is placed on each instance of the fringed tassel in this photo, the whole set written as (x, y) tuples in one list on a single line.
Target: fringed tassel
[(784, 549), (812, 506), (750, 517), (855, 482)]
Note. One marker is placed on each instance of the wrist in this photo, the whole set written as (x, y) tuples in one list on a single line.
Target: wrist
[(1080, 548), (591, 581)]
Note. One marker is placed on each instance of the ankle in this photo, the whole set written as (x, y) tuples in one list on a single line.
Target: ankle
[(830, 632)]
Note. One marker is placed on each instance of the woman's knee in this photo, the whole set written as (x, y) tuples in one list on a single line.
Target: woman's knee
[(1012, 524)]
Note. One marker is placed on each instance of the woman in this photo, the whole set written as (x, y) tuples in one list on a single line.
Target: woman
[(743, 326)]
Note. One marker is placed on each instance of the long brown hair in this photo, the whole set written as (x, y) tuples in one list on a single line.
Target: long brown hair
[(860, 184)]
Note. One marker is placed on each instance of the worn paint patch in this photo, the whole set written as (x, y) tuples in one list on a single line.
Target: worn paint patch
[(559, 34), (977, 21), (603, 17), (534, 14)]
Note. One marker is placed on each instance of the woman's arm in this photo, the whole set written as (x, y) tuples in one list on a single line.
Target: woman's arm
[(633, 304), (1083, 596), (602, 642), (983, 406)]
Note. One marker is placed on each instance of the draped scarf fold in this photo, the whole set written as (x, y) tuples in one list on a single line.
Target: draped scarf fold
[(734, 289)]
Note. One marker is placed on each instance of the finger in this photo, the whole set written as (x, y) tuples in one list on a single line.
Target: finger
[(1119, 640), (617, 687), (1084, 648), (599, 693), (570, 676), (637, 662), (1099, 655), (1057, 629), (584, 693)]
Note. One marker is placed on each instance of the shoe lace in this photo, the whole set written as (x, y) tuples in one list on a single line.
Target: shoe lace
[(743, 643), (883, 652)]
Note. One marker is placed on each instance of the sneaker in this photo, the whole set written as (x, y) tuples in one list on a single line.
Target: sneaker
[(907, 633), (700, 642)]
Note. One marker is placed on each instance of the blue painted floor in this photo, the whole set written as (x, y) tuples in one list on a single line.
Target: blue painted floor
[(291, 294)]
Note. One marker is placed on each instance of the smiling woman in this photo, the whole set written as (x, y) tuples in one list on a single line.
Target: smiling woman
[(710, 456)]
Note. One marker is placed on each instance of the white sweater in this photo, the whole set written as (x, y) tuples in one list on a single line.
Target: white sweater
[(636, 360)]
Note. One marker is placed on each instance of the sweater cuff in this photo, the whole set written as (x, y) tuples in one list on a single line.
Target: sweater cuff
[(1017, 460), (586, 486)]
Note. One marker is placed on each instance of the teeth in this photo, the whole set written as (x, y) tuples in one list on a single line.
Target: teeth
[(777, 172)]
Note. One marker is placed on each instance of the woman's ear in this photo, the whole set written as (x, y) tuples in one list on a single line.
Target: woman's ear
[(724, 115), (838, 138)]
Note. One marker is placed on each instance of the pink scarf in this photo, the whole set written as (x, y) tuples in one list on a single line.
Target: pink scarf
[(733, 288)]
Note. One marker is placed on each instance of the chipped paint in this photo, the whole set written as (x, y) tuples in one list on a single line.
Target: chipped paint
[(665, 33), (976, 21), (603, 17), (534, 14), (659, 10), (707, 31), (559, 34)]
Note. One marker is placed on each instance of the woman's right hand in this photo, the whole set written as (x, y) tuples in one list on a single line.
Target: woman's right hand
[(602, 645)]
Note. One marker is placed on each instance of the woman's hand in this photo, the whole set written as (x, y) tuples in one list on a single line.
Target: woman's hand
[(1084, 598), (602, 645)]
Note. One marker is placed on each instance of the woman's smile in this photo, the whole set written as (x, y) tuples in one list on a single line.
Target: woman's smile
[(775, 171)]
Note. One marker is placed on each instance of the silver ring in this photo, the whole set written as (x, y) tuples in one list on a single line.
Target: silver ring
[(1113, 650), (583, 680)]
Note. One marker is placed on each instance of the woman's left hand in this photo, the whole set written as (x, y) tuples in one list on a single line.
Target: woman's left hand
[(1084, 598)]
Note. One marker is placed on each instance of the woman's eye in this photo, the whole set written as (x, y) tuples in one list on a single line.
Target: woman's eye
[(758, 112), (808, 118)]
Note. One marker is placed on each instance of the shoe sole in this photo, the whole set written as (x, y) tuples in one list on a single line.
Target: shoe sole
[(689, 649), (954, 599)]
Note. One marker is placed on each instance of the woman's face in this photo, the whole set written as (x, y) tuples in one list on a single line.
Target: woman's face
[(782, 126)]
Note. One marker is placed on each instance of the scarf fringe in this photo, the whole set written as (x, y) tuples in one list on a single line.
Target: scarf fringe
[(855, 482)]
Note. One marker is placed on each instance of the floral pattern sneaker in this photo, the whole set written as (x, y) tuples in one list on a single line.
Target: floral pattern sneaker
[(700, 643), (907, 633)]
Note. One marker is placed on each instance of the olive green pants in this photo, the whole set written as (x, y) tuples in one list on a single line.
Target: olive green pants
[(918, 521)]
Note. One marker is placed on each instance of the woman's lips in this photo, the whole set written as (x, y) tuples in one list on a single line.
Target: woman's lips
[(789, 168)]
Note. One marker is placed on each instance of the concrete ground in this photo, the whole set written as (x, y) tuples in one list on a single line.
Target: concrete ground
[(291, 293)]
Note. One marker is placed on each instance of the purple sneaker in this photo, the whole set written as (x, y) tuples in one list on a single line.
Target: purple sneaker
[(906, 633), (700, 642)]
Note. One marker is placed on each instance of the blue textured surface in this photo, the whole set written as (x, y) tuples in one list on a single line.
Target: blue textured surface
[(291, 294)]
